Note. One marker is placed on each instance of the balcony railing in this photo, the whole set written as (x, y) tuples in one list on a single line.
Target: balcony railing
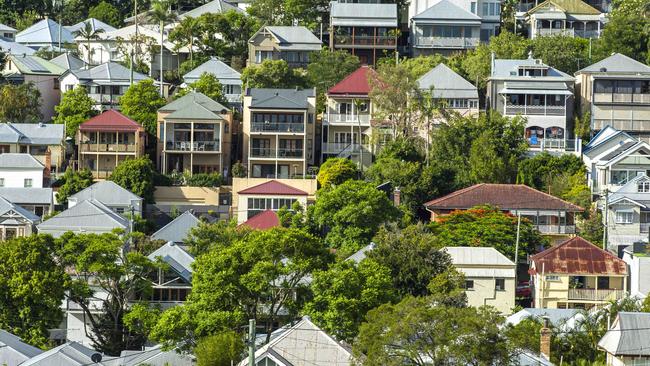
[(537, 110), (348, 119), (555, 32), (557, 229), (447, 42), (622, 124), (279, 153), (101, 174), (591, 294), (548, 144), (621, 98), (587, 33), (210, 146), (345, 40), (104, 98), (116, 148), (344, 147), (278, 127)]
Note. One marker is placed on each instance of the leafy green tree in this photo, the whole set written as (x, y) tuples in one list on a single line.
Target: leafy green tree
[(20, 103), (272, 74), (32, 285), (184, 35), (351, 214), (207, 84), (591, 228), (345, 292), (392, 88), (326, 68), (410, 149), (565, 53), (414, 332), (73, 182), (288, 12), (213, 236), (335, 171), (141, 318), (73, 11), (141, 103), (219, 350), (88, 32), (627, 31), (136, 176), (75, 108), (107, 13), (418, 66)]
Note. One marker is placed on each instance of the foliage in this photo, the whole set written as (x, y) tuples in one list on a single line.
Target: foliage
[(32, 285), (345, 292), (20, 103), (272, 74), (414, 332), (289, 12), (409, 149), (209, 237), (392, 87), (542, 169), (205, 180), (485, 226), (141, 318), (326, 68), (88, 32), (207, 84), (141, 103), (627, 31), (136, 176), (591, 228), (26, 20), (75, 108), (582, 125), (73, 182), (238, 170), (107, 13), (565, 53), (335, 171), (219, 350), (351, 214)]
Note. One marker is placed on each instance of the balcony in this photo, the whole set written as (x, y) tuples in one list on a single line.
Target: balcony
[(587, 33), (344, 147), (622, 124), (590, 294), (623, 98), (446, 42), (365, 41), (548, 144), (555, 32), (104, 98), (556, 229), (536, 110), (196, 146), (106, 148), (278, 127), (348, 119), (268, 153)]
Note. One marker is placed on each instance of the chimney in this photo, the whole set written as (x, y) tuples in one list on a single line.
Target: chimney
[(397, 195), (545, 340), (48, 165), (492, 58)]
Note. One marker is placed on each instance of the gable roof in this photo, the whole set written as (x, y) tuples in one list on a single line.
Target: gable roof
[(6, 28), (294, 37), (577, 256), (280, 98), (7, 207), (45, 32), (556, 316), (13, 350), (108, 73), (154, 356), (568, 6), (354, 84), (446, 83), (68, 61), (263, 221), (15, 48), (604, 135), (629, 191), (503, 196), (176, 231), (94, 23), (86, 216), (273, 188), (360, 254), (32, 133), (19, 161), (503, 67), (194, 97), (363, 14), (616, 63), (23, 196), (628, 335), (177, 258), (217, 68), (480, 262), (68, 354), (214, 6), (110, 120), (447, 10), (107, 192), (34, 65), (624, 151), (194, 110)]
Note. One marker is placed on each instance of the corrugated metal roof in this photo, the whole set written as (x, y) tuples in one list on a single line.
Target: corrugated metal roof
[(363, 14), (194, 97), (107, 192), (6, 28), (273, 188), (295, 37), (569, 6), (447, 84), (44, 32), (94, 23), (13, 350), (577, 256), (6, 206), (14, 48), (447, 10), (32, 133), (477, 256), (19, 161), (107, 73), (194, 110), (214, 7), (68, 61), (23, 196), (109, 121), (174, 255), (263, 221), (617, 63), (504, 68), (67, 354), (280, 98), (628, 335), (361, 253), (35, 65), (555, 316), (88, 216), (223, 72), (178, 229), (354, 84)]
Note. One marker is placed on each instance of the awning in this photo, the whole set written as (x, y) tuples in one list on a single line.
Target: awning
[(626, 210), (535, 91)]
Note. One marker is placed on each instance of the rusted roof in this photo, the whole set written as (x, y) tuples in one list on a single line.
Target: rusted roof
[(503, 196), (110, 121), (578, 256), (274, 188), (262, 221)]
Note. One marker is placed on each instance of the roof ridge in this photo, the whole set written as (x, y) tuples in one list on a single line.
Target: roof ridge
[(551, 196), (454, 194)]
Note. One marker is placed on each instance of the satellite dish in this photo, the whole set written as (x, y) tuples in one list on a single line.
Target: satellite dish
[(96, 357)]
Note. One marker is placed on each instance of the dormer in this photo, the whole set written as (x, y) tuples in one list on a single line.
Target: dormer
[(643, 185), (533, 70)]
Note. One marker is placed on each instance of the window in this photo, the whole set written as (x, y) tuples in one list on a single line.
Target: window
[(552, 278), (624, 217), (473, 7), (2, 182), (28, 182), (469, 285), (643, 187), (119, 210), (500, 284), (57, 84), (485, 9)]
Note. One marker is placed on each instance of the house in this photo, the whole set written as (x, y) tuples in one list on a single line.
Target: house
[(108, 139), (229, 78), (104, 83), (211, 7), (613, 158), (444, 28), (262, 221), (67, 354), (13, 351), (20, 170), (68, 61), (616, 91), (550, 215), (627, 213), (172, 285), (15, 221), (38, 201), (302, 344), (45, 34), (638, 263), (576, 274), (111, 195), (178, 229), (12, 48), (572, 18), (195, 136), (450, 91), (626, 341), (279, 132), (88, 217), (489, 276), (44, 141), (562, 319), (7, 32), (43, 74), (152, 356), (366, 30), (290, 43), (270, 195), (538, 92), (95, 24)]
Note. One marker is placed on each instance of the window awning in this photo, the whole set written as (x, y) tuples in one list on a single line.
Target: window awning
[(534, 91), (626, 210)]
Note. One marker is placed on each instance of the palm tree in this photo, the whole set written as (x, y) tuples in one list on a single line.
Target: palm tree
[(162, 13), (89, 32), (184, 34)]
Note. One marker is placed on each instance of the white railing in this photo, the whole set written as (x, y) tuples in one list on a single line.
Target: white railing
[(447, 42), (555, 32), (556, 229), (541, 110), (591, 294), (211, 146), (549, 144), (587, 33), (348, 119), (343, 147)]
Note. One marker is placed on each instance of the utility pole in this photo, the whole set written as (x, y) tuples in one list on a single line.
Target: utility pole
[(606, 208), (517, 244), (134, 44), (251, 342)]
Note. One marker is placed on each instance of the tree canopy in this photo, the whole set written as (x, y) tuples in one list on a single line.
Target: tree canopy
[(20, 103), (136, 176), (73, 182), (326, 68), (141, 103), (272, 74), (76, 107), (207, 84), (336, 171)]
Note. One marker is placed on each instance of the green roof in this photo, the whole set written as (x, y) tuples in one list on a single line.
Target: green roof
[(193, 110), (569, 6), (191, 98)]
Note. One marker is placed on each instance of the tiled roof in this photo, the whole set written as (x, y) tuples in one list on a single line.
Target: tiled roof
[(110, 120), (273, 188), (263, 221), (503, 196), (354, 84), (578, 256)]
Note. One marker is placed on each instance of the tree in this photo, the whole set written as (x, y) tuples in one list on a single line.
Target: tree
[(207, 84), (73, 182), (414, 332), (75, 108), (32, 285), (351, 214), (591, 227), (219, 350), (565, 53), (627, 32), (20, 103), (136, 176), (335, 171), (208, 237), (392, 88), (345, 292), (161, 13), (141, 103), (88, 32), (326, 68), (107, 13), (289, 12), (184, 35), (271, 74)]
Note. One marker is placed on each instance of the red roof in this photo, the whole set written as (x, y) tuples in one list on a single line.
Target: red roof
[(577, 256), (262, 221), (274, 188), (353, 84), (110, 121), (503, 196)]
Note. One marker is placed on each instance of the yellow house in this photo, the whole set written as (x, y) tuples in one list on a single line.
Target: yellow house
[(577, 275)]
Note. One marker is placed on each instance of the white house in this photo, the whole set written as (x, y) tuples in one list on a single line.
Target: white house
[(627, 213), (89, 216), (271, 195), (229, 78), (111, 195), (7, 32), (20, 170), (626, 341), (638, 262)]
